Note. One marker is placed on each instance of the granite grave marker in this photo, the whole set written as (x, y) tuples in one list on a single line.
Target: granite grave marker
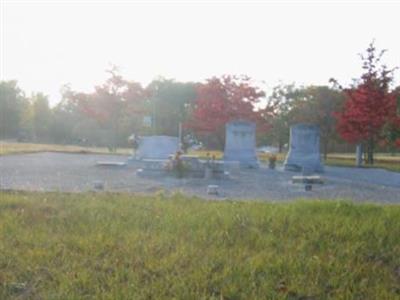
[(304, 153), (157, 147), (240, 143)]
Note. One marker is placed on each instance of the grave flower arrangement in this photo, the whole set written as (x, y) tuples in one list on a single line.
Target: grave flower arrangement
[(272, 161), (211, 162), (134, 140), (177, 165)]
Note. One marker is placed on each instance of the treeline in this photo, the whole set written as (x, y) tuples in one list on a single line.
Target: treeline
[(367, 112), (106, 117)]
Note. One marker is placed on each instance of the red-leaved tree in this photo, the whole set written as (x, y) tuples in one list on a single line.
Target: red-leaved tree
[(221, 100), (391, 131), (369, 105)]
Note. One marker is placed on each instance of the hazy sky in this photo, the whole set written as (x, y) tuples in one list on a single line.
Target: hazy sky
[(45, 44)]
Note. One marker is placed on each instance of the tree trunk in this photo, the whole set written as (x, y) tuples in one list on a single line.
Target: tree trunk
[(365, 151), (370, 159), (325, 144), (221, 141), (280, 146)]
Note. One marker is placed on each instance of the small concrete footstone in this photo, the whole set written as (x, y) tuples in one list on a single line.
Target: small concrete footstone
[(150, 173), (212, 189), (308, 181), (314, 179), (110, 164), (98, 185)]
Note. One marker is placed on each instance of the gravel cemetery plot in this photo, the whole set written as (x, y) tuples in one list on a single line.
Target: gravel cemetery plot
[(78, 173)]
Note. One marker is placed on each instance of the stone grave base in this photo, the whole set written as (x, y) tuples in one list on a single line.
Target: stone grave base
[(110, 164), (308, 179)]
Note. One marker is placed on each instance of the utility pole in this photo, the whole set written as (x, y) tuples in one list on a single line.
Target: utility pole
[(180, 135)]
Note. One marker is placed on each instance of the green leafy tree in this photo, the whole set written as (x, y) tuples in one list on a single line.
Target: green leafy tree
[(277, 113), (41, 117), (66, 116), (289, 105), (113, 106), (170, 103), (12, 102), (317, 105)]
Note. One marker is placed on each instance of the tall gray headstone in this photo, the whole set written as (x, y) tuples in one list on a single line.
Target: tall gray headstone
[(157, 147), (304, 154), (240, 143)]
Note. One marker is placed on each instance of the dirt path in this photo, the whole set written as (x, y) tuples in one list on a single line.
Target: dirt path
[(78, 172)]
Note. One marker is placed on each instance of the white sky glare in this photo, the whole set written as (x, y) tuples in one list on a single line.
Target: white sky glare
[(45, 44)]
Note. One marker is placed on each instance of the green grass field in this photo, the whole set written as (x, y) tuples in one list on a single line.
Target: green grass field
[(16, 148), (384, 161), (117, 246), (388, 164)]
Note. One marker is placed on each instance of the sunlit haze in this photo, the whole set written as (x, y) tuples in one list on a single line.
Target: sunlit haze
[(45, 44)]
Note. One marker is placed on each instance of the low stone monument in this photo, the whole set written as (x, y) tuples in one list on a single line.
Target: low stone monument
[(240, 143), (157, 147), (304, 154)]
